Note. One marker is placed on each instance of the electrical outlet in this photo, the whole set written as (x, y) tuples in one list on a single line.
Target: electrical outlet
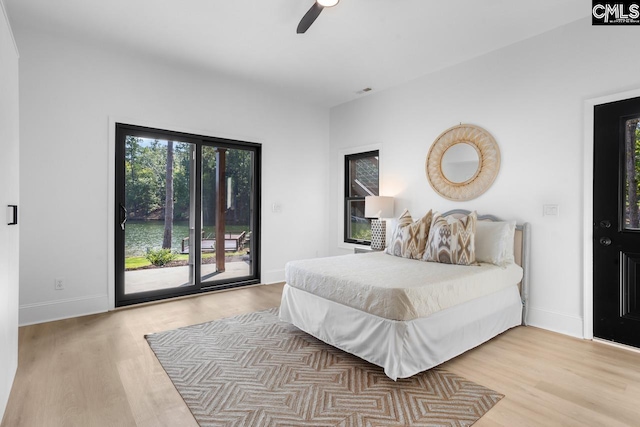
[(59, 284)]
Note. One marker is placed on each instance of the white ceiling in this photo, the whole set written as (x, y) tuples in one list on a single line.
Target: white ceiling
[(356, 44)]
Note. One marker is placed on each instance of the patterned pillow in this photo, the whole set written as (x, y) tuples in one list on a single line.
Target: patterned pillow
[(395, 244), (414, 237), (452, 240)]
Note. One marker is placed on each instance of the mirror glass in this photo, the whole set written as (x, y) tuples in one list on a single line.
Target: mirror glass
[(460, 163)]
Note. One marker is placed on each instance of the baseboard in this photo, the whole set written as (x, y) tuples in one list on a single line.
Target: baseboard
[(4, 394), (272, 276), (30, 314), (556, 322)]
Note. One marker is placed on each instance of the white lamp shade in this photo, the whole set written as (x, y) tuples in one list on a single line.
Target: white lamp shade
[(378, 207)]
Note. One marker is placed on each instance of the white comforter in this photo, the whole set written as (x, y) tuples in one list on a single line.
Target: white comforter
[(397, 288)]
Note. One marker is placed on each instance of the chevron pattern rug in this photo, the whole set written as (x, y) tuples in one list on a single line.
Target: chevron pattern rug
[(254, 370)]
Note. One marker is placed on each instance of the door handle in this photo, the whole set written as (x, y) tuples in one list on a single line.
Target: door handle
[(605, 241), (605, 223), (123, 216), (14, 213)]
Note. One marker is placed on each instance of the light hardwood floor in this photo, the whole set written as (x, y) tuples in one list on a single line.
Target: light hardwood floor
[(99, 371)]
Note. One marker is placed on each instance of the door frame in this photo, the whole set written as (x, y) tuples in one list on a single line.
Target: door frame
[(111, 259), (587, 208)]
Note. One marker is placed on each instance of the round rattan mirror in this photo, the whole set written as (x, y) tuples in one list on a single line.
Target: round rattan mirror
[(463, 162)]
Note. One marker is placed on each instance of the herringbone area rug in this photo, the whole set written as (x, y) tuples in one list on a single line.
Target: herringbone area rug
[(254, 370)]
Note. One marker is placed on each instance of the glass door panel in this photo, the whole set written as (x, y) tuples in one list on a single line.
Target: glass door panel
[(157, 220), (227, 214), (632, 173)]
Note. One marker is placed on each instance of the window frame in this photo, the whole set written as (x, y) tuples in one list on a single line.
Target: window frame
[(120, 298), (347, 189)]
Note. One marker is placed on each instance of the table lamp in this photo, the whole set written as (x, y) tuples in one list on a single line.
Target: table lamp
[(378, 207)]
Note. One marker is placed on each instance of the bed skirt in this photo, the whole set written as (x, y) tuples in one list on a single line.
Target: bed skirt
[(403, 348)]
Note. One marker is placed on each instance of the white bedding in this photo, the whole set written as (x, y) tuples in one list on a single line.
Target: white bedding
[(397, 288), (403, 348)]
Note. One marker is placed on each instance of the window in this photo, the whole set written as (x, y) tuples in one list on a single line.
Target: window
[(361, 180)]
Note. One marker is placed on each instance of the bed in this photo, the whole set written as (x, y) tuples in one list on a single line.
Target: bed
[(407, 315)]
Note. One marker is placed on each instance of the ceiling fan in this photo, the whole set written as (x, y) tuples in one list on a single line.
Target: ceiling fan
[(313, 13)]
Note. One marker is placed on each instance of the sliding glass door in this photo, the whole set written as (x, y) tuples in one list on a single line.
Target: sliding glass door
[(186, 214), (227, 204)]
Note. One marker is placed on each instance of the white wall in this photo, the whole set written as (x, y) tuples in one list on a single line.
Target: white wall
[(530, 96), (69, 93), (9, 186)]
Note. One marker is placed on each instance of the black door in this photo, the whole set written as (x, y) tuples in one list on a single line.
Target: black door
[(187, 214), (616, 227)]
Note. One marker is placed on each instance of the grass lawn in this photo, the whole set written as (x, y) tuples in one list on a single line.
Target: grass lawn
[(132, 263)]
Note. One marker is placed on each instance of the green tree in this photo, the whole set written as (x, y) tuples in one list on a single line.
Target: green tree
[(181, 180), (239, 168), (141, 180), (148, 181), (208, 186), (168, 201)]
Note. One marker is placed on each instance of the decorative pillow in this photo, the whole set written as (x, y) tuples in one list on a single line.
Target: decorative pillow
[(414, 237), (452, 240), (494, 242), (395, 244)]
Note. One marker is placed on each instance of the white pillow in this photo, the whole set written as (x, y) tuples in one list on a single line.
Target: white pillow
[(494, 242), (509, 255)]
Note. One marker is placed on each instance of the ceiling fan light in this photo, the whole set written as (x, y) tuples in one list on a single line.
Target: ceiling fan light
[(327, 3)]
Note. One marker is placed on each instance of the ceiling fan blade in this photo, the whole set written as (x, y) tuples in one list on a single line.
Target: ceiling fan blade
[(309, 18)]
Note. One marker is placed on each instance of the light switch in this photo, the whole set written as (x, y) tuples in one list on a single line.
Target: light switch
[(550, 210), (276, 208)]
